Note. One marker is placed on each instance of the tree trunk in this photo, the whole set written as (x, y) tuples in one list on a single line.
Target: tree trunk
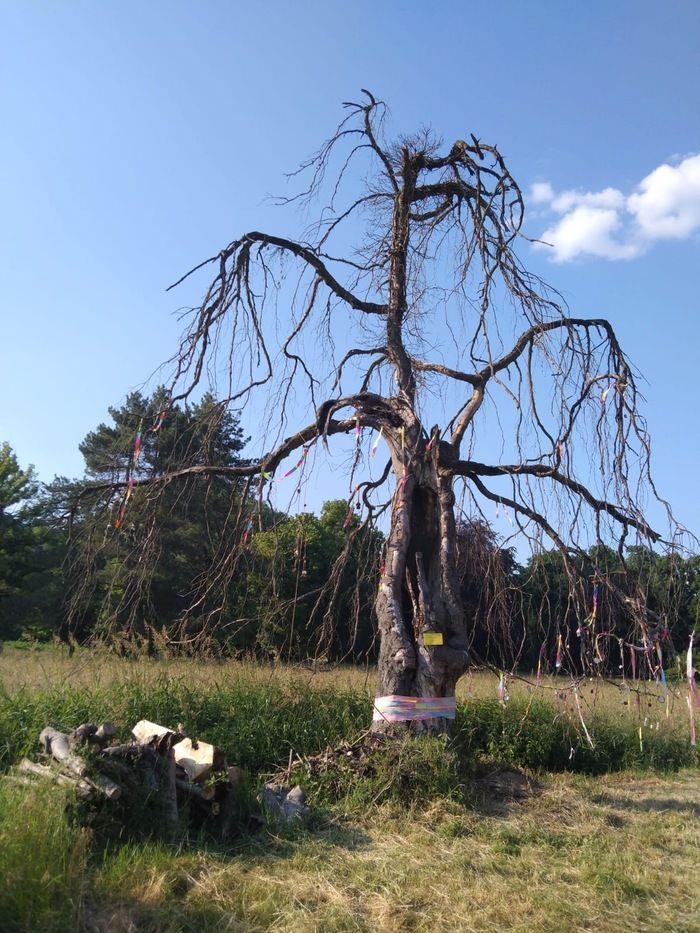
[(419, 594)]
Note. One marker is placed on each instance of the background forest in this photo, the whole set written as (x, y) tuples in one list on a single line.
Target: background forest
[(275, 602)]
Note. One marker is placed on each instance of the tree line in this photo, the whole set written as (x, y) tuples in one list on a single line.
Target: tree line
[(67, 573)]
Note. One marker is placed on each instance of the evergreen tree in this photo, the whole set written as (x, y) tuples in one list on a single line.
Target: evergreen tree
[(191, 522), (30, 555)]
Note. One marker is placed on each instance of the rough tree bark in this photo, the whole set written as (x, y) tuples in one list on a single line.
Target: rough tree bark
[(440, 232)]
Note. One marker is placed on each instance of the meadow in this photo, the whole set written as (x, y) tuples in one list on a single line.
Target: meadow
[(609, 840)]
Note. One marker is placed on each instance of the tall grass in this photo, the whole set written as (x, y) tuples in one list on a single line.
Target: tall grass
[(43, 859), (258, 724), (57, 876)]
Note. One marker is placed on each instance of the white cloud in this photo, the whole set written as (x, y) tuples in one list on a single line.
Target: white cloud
[(588, 231), (667, 206), (610, 225), (609, 197), (541, 193)]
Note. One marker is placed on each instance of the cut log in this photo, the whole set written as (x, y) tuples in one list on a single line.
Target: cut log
[(194, 790), (105, 733), (55, 743), (90, 734), (172, 814), (58, 745), (145, 732), (82, 787), (82, 735), (128, 750), (197, 758), (107, 786)]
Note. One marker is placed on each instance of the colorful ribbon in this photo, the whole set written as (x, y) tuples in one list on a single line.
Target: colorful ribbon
[(502, 689), (541, 658), (396, 708), (557, 663), (296, 465), (159, 420), (131, 482), (373, 451), (690, 673)]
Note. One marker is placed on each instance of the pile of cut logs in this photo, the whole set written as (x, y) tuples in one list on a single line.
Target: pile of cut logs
[(157, 760)]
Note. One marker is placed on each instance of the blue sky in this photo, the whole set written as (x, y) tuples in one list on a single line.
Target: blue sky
[(139, 138)]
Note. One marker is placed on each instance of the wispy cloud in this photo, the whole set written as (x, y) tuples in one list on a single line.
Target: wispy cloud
[(610, 224)]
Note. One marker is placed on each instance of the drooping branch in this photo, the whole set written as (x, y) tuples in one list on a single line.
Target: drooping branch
[(471, 468), (267, 464), (523, 343)]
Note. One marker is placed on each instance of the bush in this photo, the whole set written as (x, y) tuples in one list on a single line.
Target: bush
[(409, 772)]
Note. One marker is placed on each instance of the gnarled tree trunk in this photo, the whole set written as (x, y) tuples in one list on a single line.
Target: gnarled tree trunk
[(419, 592)]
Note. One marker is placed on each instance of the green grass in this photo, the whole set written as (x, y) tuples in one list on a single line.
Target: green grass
[(43, 857), (258, 723), (412, 843)]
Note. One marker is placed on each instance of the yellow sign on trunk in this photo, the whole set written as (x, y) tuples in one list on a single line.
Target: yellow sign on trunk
[(432, 638)]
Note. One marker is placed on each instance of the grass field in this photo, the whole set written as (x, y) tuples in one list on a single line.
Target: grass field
[(36, 668), (433, 851)]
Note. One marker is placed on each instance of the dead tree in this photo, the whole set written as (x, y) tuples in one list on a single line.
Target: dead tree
[(467, 366)]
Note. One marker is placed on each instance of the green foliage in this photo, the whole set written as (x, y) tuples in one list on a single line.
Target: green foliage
[(669, 584), (43, 858), (183, 534), (31, 551), (16, 485), (288, 566), (536, 735), (258, 723), (408, 772)]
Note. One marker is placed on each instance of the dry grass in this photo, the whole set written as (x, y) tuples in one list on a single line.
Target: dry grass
[(587, 855), (41, 668)]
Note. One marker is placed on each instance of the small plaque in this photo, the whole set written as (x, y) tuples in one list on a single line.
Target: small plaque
[(432, 638)]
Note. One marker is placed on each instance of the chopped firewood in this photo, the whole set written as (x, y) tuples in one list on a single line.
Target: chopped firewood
[(82, 787), (58, 745), (197, 758), (186, 772), (105, 733), (90, 734), (145, 731)]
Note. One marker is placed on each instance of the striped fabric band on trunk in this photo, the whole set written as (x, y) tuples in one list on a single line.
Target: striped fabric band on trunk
[(402, 709)]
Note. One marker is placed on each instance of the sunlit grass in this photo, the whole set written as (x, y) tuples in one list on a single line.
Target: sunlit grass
[(409, 846), (587, 854), (39, 668)]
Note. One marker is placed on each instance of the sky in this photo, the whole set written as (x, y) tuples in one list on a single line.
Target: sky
[(139, 138)]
